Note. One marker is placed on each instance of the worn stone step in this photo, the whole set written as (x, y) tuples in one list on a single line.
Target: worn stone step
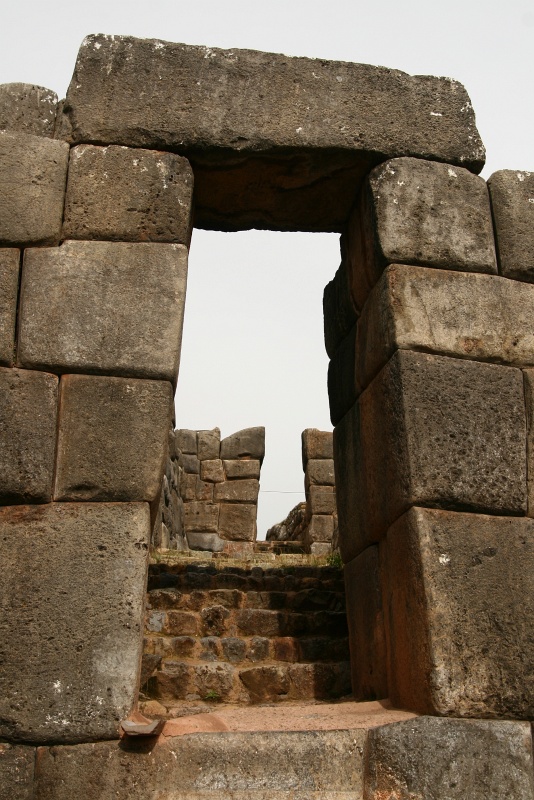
[(311, 599), (297, 765)]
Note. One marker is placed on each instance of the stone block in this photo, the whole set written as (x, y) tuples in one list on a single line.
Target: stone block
[(322, 499), (320, 529), (294, 163), (436, 758), (320, 548), (212, 470), (342, 378), (255, 621), (365, 618), (28, 413), (9, 287), (74, 673), (203, 540), (33, 171), (203, 490), (242, 468), (419, 212), (16, 769), (104, 307), (201, 517), (237, 491), (186, 440), (190, 464), (467, 315), (265, 683), (181, 623), (528, 376), (320, 472), (459, 614), (316, 444), (208, 444), (188, 485), (248, 443), (512, 202), (339, 314), (237, 522), (112, 438), (27, 109), (434, 431), (126, 195)]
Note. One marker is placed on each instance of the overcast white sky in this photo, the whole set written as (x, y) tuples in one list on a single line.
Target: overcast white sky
[(253, 352)]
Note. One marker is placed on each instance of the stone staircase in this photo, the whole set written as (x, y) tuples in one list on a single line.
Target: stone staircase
[(222, 631)]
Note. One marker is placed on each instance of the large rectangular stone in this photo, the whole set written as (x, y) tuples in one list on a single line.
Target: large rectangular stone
[(430, 430), (237, 522), (318, 127), (112, 440), (126, 195), (9, 287), (459, 603), (321, 499), (239, 491), (365, 618), (423, 213), (28, 413), (512, 202), (316, 444), (473, 316), (449, 759), (248, 443), (320, 472), (208, 444), (104, 307), (242, 468), (33, 171), (16, 771), (201, 516), (25, 108), (74, 577), (319, 529)]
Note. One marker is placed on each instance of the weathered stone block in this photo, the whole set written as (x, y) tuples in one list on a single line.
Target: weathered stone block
[(265, 683), (528, 376), (419, 212), (190, 464), (338, 310), (9, 287), (27, 109), (33, 171), (188, 485), (212, 470), (436, 758), (240, 491), (320, 529), (322, 499), (28, 413), (186, 440), (121, 194), (365, 617), (320, 471), (203, 490), (316, 444), (112, 438), (73, 674), (482, 317), (314, 135), (237, 522), (434, 431), (248, 443), (200, 540), (208, 444), (16, 770), (342, 378), (202, 517), (105, 307), (512, 201), (459, 614), (242, 468)]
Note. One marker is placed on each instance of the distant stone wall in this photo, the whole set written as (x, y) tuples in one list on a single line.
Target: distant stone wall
[(210, 491)]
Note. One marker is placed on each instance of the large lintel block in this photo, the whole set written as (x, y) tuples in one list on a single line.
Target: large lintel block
[(449, 759), (129, 195), (28, 414), (9, 287), (459, 601), (103, 307), (512, 201), (112, 439), (418, 212), (467, 315), (275, 142), (72, 593), (33, 172), (430, 430)]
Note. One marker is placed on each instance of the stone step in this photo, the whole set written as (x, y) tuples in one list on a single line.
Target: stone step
[(303, 600), (251, 765)]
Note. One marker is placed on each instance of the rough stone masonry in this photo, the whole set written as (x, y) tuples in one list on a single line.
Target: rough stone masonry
[(428, 328)]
